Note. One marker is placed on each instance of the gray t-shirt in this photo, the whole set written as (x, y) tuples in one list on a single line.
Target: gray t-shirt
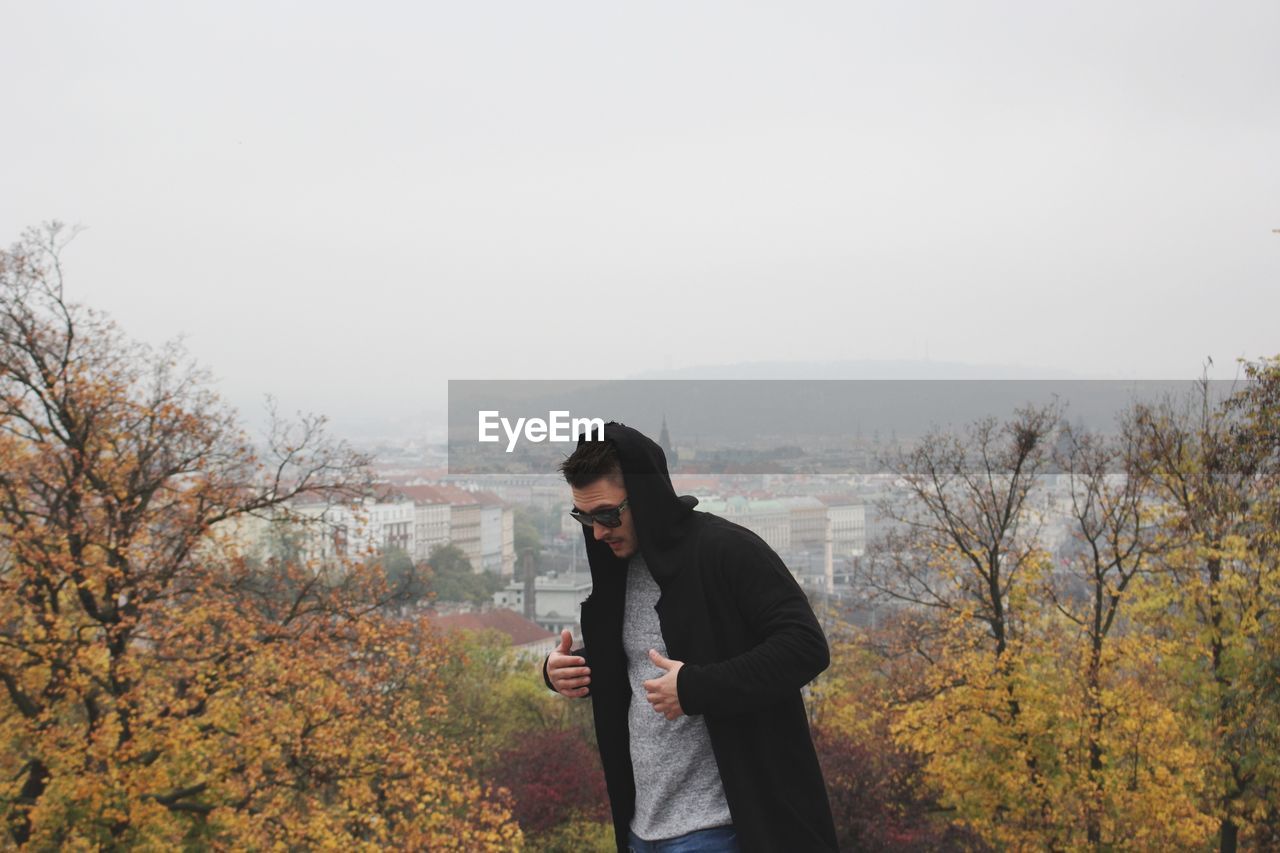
[(678, 787)]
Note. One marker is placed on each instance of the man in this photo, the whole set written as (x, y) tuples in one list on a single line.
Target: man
[(697, 641)]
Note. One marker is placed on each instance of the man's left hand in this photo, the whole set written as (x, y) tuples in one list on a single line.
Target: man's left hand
[(661, 691)]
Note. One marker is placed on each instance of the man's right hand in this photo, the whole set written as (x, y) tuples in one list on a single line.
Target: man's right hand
[(569, 674)]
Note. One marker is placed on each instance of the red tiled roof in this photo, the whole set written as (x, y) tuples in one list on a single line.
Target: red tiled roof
[(414, 476), (423, 494), (440, 494), (509, 622), (385, 493), (685, 484), (456, 495)]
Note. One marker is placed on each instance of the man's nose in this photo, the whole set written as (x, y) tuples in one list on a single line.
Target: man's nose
[(600, 530)]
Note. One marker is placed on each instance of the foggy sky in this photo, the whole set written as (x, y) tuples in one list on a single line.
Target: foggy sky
[(346, 206)]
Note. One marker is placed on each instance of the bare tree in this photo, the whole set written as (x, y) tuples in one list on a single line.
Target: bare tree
[(964, 533)]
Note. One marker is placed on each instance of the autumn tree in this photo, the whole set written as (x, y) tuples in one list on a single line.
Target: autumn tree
[(536, 744), (1129, 774), (962, 561), (880, 798), (1256, 412), (160, 689), (1124, 696), (1212, 462)]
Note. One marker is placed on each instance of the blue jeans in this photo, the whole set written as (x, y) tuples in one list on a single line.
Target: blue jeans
[(717, 839)]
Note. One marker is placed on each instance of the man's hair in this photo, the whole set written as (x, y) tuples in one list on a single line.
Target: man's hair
[(592, 461)]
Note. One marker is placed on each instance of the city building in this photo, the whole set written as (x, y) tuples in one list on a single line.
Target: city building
[(768, 519), (557, 599), (848, 527), (353, 531)]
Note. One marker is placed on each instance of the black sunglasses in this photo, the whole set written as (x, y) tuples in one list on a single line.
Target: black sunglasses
[(607, 517)]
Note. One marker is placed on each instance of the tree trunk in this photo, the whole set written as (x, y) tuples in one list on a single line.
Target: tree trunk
[(19, 816), (1228, 835)]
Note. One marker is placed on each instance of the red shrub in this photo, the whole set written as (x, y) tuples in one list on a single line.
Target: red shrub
[(553, 776)]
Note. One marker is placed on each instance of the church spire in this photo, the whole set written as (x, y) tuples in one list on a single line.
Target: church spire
[(664, 441)]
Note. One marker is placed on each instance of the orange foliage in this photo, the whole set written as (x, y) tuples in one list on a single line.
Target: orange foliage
[(159, 687)]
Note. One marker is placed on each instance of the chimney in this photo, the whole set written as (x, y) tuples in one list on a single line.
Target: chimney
[(828, 570), (530, 585)]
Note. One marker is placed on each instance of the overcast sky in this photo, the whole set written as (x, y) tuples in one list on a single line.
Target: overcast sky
[(346, 205)]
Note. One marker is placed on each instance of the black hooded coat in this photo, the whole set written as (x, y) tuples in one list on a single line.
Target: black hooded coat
[(733, 614)]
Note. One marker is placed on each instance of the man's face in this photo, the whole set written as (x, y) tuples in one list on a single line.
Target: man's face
[(606, 494)]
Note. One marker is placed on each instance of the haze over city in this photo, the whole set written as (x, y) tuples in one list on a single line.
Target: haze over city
[(347, 209)]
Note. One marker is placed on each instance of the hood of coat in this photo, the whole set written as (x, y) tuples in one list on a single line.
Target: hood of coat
[(662, 518)]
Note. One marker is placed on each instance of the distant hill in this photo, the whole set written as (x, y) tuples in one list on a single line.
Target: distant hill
[(866, 369)]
